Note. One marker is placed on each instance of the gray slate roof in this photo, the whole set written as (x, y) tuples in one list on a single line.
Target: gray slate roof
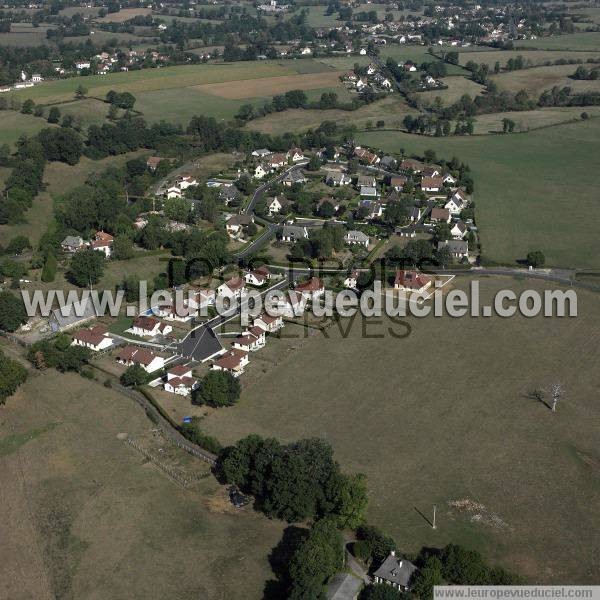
[(396, 570), (455, 246), (294, 232), (63, 318), (357, 236)]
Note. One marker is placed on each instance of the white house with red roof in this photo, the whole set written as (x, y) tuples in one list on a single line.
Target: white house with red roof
[(102, 242), (149, 327), (180, 381), (251, 340), (258, 276), (289, 305), (200, 298), (412, 281), (145, 358), (269, 323), (232, 361), (313, 288), (234, 288), (176, 312), (95, 338)]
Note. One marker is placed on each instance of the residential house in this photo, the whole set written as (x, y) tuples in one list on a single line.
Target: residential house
[(395, 571), (448, 179), (232, 361), (388, 162), (365, 156), (269, 323), (260, 171), (368, 192), (180, 381), (153, 162), (440, 215), (251, 340), (366, 181), (295, 154), (236, 224), (371, 69), (374, 209), (409, 66), (458, 248), (458, 230), (337, 178), (261, 152), (276, 205), (275, 161), (258, 276), (103, 243), (431, 172), (415, 214), (175, 311), (72, 243), (293, 233), (234, 288), (455, 204), (186, 181), (174, 192), (228, 193), (432, 184), (398, 182), (412, 281), (357, 237), (145, 358), (145, 326), (408, 164), (312, 288), (201, 298), (288, 305), (73, 314), (95, 338), (292, 177)]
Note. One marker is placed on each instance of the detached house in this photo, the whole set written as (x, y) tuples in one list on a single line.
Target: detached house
[(131, 355), (260, 171), (365, 156), (458, 248), (235, 225), (295, 154), (432, 184), (95, 338), (72, 243), (313, 288), (398, 182), (276, 205), (174, 192), (357, 237), (293, 233), (293, 177), (455, 204), (458, 230), (268, 323), (258, 277), (374, 209), (234, 288), (180, 381), (174, 312), (440, 215), (337, 178), (149, 327), (395, 571), (232, 361), (412, 281), (251, 340), (366, 181), (103, 243), (153, 162)]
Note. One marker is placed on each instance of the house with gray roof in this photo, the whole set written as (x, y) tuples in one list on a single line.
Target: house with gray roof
[(72, 243), (395, 571), (357, 237), (294, 176), (73, 314), (293, 233), (337, 178), (457, 248)]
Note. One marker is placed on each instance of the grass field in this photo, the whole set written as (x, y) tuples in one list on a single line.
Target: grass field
[(418, 54), (14, 124), (125, 14), (391, 110), (533, 191), (25, 34), (457, 87), (537, 79), (89, 111), (570, 41), (535, 57), (428, 430), (532, 119), (86, 516)]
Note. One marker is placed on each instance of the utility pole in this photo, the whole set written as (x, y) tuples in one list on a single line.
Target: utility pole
[(433, 525)]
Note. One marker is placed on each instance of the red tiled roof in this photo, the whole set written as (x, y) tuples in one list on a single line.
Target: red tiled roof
[(140, 356), (441, 214), (231, 360), (312, 285), (432, 182), (234, 284), (179, 370), (93, 335), (411, 279), (146, 323)]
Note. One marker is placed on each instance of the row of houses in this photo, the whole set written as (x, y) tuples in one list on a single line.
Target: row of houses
[(270, 162)]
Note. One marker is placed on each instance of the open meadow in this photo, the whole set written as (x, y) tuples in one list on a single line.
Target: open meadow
[(508, 476), (86, 516), (14, 124), (535, 190), (567, 41), (533, 57), (457, 87)]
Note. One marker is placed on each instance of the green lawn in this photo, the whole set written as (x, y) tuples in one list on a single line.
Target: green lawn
[(427, 429), (14, 124), (535, 57), (533, 191), (89, 111), (457, 87)]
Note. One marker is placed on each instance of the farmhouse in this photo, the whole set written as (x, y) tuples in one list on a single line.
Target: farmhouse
[(395, 571), (95, 338), (412, 281), (232, 361), (293, 233), (180, 381), (457, 248), (440, 215), (149, 327), (357, 237), (131, 355)]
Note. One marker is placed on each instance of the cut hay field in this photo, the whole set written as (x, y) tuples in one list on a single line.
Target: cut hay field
[(391, 110), (535, 57), (532, 119), (270, 86), (457, 87), (537, 79), (570, 41), (125, 14), (89, 111), (533, 191), (86, 516), (431, 431)]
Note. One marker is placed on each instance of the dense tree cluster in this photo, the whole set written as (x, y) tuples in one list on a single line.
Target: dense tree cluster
[(12, 311), (12, 375), (217, 388), (294, 481), (58, 353)]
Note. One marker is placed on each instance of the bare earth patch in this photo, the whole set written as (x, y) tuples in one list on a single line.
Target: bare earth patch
[(269, 86)]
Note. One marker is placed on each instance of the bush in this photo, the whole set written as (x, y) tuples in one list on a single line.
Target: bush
[(134, 376), (49, 270), (12, 312), (12, 375), (218, 388)]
